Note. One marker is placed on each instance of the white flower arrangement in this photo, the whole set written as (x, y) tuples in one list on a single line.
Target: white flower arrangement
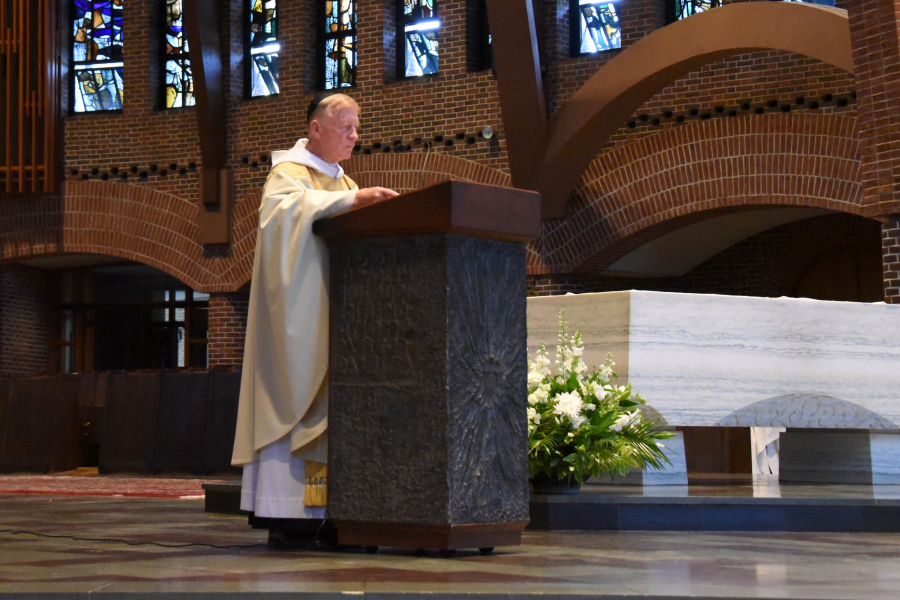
[(580, 424)]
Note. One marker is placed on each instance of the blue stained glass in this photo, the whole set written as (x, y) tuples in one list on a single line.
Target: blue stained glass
[(264, 75), (98, 89), (599, 26), (420, 28), (264, 47), (340, 44), (340, 62), (686, 8), (421, 53), (97, 55), (418, 9), (179, 78)]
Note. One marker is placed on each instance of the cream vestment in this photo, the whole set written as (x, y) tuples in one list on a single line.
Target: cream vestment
[(283, 408)]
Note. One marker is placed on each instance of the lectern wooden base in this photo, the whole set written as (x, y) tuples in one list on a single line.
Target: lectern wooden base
[(429, 537)]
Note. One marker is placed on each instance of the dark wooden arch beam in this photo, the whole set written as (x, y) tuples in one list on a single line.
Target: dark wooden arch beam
[(585, 123), (521, 88), (201, 25)]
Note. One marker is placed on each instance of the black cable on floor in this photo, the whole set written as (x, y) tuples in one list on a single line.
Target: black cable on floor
[(128, 543)]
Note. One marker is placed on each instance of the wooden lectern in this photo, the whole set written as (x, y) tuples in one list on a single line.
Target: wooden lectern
[(428, 439)]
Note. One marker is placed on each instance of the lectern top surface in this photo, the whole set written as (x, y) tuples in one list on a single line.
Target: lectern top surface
[(471, 209)]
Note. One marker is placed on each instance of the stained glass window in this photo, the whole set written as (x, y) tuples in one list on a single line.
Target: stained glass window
[(420, 27), (97, 55), (598, 26), (179, 79), (686, 8), (340, 43), (264, 47)]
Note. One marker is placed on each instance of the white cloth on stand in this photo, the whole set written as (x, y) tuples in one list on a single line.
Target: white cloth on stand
[(764, 446)]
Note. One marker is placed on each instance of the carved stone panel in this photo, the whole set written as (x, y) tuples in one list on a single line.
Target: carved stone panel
[(428, 378), (487, 369), (806, 411)]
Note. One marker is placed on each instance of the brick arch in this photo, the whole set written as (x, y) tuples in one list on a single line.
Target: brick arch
[(645, 188), (412, 170), (402, 172), (127, 221), (584, 124)]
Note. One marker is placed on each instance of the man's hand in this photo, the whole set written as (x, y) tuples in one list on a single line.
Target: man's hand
[(372, 195)]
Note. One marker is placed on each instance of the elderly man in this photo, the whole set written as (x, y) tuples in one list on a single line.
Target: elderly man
[(281, 439)]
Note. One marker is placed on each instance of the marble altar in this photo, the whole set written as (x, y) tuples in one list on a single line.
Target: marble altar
[(699, 359)]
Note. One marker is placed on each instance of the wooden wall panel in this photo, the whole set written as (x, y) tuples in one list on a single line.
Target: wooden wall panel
[(129, 433), (225, 388), (43, 426), (181, 423)]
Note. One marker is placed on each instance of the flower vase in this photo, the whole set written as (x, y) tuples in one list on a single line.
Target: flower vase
[(547, 485)]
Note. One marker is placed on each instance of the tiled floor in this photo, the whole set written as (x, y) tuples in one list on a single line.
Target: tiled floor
[(82, 544)]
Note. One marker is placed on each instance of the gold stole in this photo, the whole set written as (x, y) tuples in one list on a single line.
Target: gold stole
[(316, 491)]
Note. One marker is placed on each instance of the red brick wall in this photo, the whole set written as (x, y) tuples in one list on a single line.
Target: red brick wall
[(132, 222), (634, 192), (163, 145), (890, 248), (132, 188), (227, 326), (555, 285), (25, 304), (876, 56)]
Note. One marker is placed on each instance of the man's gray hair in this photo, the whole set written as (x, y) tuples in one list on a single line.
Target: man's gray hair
[(329, 105)]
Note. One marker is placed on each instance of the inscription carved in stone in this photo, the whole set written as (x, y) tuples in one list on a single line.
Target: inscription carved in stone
[(806, 411)]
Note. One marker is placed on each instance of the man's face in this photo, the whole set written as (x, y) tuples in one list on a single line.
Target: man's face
[(335, 134)]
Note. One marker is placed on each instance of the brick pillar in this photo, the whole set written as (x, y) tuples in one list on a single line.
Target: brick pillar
[(227, 329), (25, 305), (890, 257), (554, 285), (876, 58)]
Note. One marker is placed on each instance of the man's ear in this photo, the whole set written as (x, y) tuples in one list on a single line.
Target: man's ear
[(314, 129)]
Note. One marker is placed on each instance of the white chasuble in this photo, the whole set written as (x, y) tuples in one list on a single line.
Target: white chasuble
[(283, 408)]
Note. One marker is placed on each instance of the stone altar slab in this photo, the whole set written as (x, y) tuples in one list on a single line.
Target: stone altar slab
[(699, 358)]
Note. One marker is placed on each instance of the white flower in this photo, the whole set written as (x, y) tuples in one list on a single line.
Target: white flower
[(577, 350), (605, 372), (625, 420), (560, 380), (599, 392), (620, 389), (532, 399), (545, 387), (534, 378), (534, 416), (569, 405), (589, 406)]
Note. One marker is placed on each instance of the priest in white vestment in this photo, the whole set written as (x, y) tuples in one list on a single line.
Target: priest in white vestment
[(283, 411)]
